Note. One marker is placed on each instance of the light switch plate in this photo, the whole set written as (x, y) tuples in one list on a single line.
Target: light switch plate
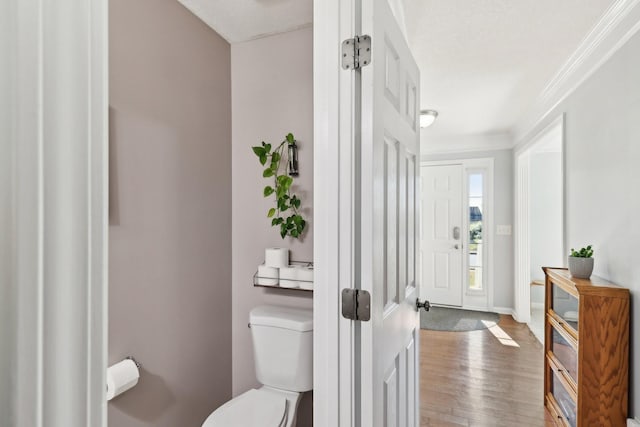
[(503, 230)]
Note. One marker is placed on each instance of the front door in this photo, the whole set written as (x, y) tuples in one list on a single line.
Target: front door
[(390, 151), (442, 234)]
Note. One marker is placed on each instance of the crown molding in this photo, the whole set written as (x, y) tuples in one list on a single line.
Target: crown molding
[(542, 135), (619, 23), (434, 145)]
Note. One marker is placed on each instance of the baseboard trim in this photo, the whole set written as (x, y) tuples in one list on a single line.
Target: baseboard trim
[(474, 308), (504, 310)]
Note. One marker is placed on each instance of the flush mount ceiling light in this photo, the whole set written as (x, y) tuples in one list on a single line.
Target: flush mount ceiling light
[(427, 117)]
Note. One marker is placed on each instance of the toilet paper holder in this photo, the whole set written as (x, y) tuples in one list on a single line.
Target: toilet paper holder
[(122, 377), (138, 365)]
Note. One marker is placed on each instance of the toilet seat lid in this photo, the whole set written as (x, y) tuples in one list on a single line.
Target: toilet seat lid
[(255, 408)]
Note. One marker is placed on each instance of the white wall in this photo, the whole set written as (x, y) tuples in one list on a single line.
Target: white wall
[(503, 215), (602, 141), (272, 90), (545, 217)]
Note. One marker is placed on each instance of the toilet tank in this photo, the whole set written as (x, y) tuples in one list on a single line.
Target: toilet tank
[(283, 347)]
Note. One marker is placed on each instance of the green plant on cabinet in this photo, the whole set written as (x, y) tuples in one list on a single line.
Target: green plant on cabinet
[(286, 213), (582, 253)]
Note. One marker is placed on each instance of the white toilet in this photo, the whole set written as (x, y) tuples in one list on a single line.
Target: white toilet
[(283, 353)]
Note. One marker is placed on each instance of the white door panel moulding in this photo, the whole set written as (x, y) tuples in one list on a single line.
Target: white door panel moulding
[(615, 28), (386, 219), (442, 251)]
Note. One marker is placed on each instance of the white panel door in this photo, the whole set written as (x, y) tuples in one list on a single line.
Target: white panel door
[(390, 150), (442, 234)]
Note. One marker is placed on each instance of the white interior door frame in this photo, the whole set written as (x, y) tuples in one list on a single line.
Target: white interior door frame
[(522, 200), (7, 286), (522, 312), (58, 189), (334, 204), (473, 300)]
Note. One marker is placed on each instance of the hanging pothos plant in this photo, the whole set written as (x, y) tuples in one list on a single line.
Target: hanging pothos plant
[(286, 214)]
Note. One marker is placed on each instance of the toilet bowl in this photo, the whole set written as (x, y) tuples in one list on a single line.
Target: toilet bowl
[(283, 354), (262, 407)]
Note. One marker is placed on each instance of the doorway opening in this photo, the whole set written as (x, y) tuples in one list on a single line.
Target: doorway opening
[(539, 200)]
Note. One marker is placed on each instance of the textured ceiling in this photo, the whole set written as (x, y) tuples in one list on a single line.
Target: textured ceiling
[(483, 62), (242, 20)]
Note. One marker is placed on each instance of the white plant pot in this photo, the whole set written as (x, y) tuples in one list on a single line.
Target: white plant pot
[(580, 268)]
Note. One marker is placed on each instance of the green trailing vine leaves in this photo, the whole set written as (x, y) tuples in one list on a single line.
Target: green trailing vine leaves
[(286, 213)]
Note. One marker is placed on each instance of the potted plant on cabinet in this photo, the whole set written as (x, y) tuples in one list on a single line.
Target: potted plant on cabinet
[(581, 262)]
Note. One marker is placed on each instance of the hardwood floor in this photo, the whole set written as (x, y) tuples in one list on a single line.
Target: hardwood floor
[(487, 378)]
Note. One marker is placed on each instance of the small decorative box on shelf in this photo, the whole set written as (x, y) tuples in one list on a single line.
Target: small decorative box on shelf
[(586, 350), (298, 275)]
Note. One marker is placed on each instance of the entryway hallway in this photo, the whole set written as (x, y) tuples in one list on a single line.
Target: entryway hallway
[(487, 378)]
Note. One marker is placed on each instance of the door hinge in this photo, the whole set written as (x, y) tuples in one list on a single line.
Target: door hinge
[(356, 52), (356, 304)]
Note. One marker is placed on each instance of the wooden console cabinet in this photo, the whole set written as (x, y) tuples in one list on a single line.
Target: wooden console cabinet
[(586, 350)]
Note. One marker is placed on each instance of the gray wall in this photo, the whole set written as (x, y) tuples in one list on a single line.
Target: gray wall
[(503, 209), (602, 140), (272, 86), (170, 213), (545, 217)]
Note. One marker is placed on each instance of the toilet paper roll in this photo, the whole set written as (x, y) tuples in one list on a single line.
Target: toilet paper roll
[(305, 277), (276, 257), (121, 377), (289, 277), (267, 276)]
